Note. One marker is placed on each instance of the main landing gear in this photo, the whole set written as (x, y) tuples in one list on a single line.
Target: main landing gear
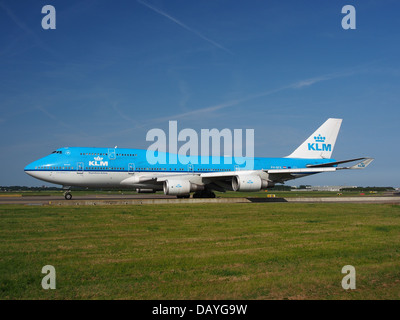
[(183, 196), (204, 194)]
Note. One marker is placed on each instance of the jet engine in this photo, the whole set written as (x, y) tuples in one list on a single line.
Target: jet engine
[(248, 183), (180, 187)]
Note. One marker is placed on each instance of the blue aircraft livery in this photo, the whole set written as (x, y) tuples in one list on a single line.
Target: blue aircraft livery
[(129, 168)]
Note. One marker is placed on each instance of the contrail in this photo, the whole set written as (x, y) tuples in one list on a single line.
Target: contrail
[(185, 26), (296, 85)]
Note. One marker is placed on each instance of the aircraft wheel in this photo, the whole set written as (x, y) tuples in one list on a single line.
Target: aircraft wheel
[(204, 194), (68, 196), (209, 194)]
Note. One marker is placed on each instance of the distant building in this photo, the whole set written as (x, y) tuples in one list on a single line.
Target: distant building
[(324, 188)]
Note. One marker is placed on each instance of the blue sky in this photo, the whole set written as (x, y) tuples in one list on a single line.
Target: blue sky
[(112, 70)]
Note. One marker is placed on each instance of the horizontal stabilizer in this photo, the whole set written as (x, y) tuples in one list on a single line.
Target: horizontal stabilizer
[(362, 164)]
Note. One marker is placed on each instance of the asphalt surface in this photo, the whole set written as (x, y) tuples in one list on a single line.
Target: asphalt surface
[(163, 199), (46, 199)]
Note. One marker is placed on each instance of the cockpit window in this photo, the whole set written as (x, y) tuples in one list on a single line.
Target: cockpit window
[(59, 152)]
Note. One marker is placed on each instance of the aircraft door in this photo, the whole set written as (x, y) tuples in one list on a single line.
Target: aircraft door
[(131, 168), (111, 154), (80, 167)]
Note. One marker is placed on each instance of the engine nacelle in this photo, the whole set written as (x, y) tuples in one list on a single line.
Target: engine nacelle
[(248, 183), (180, 187)]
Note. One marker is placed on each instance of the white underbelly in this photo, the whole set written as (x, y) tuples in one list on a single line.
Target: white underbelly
[(84, 179)]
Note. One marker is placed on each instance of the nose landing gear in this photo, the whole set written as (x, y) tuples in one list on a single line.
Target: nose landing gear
[(67, 192), (67, 195)]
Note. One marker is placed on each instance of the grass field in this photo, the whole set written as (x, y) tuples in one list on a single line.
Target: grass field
[(204, 251)]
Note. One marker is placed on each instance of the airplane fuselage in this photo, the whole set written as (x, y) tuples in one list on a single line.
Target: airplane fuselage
[(151, 171), (109, 167)]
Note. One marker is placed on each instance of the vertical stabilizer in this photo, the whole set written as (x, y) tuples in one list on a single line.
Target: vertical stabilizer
[(321, 143)]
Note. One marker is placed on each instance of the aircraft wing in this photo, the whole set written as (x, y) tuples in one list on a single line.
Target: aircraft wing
[(156, 178), (282, 175), (221, 181), (331, 164), (224, 179), (140, 179)]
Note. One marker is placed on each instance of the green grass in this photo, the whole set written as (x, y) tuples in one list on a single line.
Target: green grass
[(201, 251)]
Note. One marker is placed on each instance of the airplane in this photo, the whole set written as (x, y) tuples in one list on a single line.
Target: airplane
[(129, 168)]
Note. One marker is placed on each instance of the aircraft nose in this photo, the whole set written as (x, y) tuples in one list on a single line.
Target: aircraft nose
[(33, 170), (29, 169), (35, 165), (37, 168)]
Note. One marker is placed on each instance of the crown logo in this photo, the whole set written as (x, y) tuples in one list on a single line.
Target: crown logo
[(98, 158), (319, 138)]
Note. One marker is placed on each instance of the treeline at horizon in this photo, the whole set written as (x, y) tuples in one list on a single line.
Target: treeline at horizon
[(367, 189)]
